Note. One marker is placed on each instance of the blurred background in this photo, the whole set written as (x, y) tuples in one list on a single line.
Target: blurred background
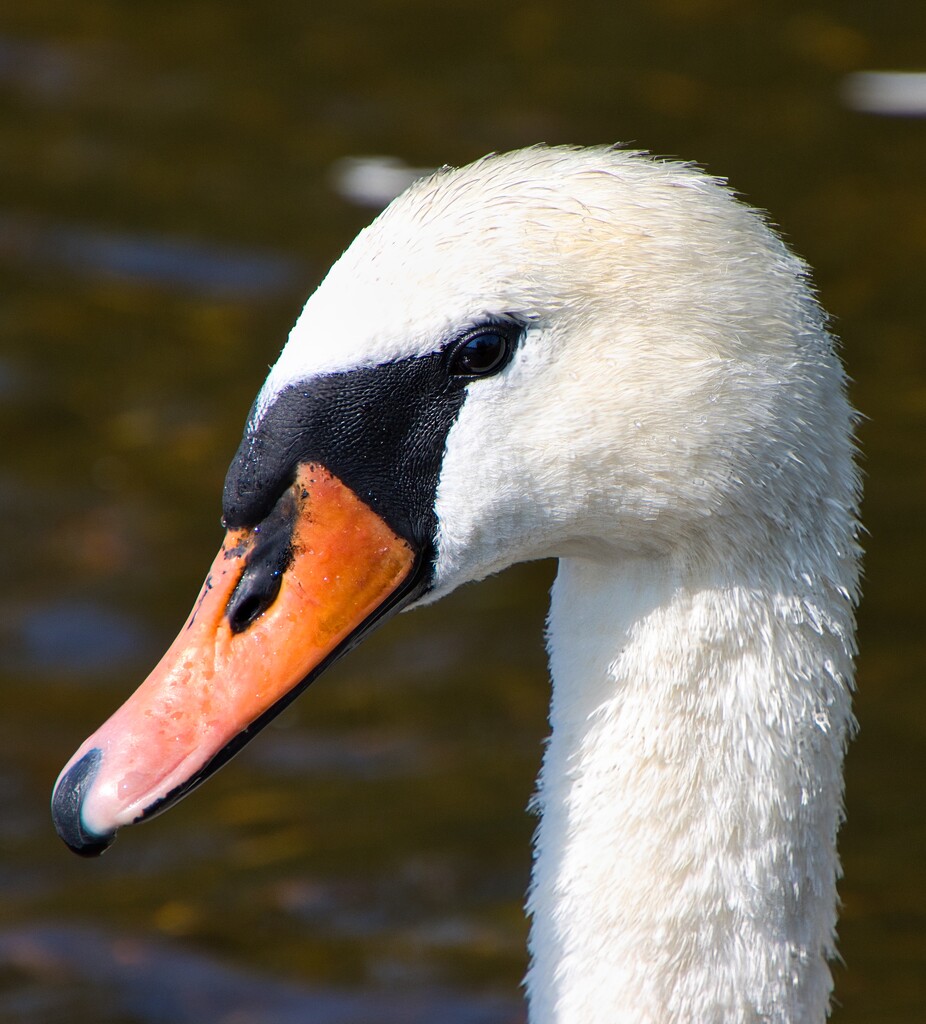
[(175, 178)]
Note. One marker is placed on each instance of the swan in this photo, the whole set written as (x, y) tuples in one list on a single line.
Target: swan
[(594, 355)]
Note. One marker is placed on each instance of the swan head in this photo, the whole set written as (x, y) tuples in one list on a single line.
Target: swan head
[(669, 366), (554, 352)]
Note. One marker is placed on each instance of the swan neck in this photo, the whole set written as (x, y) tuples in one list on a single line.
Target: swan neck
[(690, 795)]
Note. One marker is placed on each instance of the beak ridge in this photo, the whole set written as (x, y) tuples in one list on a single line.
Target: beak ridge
[(282, 601)]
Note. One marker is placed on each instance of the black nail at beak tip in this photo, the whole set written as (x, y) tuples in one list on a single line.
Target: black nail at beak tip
[(66, 803)]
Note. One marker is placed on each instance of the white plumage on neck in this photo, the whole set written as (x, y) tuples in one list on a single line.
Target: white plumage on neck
[(674, 428), (690, 795)]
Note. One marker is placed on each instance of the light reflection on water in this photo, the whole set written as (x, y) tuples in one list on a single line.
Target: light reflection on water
[(69, 638), (87, 975), (207, 270), (167, 181)]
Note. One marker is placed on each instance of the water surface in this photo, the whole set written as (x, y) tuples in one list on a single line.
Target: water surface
[(167, 200)]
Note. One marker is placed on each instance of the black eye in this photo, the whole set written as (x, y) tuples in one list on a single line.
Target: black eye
[(481, 354)]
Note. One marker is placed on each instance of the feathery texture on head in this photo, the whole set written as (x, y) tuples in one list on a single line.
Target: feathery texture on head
[(674, 427)]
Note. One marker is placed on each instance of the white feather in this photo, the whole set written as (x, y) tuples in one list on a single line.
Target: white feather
[(673, 428)]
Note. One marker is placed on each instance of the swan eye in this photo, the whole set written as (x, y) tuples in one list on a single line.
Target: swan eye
[(481, 354)]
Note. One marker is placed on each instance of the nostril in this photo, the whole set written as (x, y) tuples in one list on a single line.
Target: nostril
[(245, 612), (256, 591), (269, 557)]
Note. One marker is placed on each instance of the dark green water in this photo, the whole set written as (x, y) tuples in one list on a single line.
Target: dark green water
[(165, 207)]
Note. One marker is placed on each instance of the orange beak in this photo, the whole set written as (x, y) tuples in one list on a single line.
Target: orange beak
[(334, 569)]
